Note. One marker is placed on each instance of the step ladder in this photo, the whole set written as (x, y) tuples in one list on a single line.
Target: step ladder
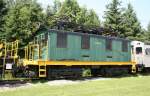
[(42, 70)]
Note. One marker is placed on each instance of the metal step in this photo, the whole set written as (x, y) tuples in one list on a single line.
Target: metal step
[(42, 70)]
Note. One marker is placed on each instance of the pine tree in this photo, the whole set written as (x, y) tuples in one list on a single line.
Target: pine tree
[(147, 34), (148, 27), (113, 17), (87, 19), (131, 26)]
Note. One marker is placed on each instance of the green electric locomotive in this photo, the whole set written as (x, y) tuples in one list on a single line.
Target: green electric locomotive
[(55, 53)]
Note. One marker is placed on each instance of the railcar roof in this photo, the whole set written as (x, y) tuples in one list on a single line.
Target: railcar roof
[(92, 35)]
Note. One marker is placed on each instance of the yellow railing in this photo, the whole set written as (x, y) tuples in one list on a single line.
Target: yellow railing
[(29, 51), (11, 49), (8, 51)]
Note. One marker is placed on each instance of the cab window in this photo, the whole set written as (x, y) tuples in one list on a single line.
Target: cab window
[(138, 50)]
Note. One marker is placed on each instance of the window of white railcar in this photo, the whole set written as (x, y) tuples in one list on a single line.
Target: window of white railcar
[(147, 51), (138, 50)]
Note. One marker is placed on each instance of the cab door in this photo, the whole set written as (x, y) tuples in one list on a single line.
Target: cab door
[(139, 55)]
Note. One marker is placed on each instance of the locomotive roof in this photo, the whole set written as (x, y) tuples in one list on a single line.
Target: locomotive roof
[(87, 34)]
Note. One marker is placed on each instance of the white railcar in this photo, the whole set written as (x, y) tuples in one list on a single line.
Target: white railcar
[(141, 54), (146, 60)]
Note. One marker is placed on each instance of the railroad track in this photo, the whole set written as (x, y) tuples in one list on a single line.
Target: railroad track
[(12, 83)]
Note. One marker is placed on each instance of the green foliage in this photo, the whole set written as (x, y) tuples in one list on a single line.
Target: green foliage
[(3, 11), (124, 23), (131, 26), (144, 36), (88, 19), (148, 27), (147, 34), (113, 16), (10, 3), (70, 16), (23, 20), (57, 6), (52, 14), (86, 72)]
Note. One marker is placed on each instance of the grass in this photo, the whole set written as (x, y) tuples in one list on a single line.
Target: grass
[(129, 86)]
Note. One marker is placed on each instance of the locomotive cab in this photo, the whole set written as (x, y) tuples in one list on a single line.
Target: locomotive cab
[(138, 53)]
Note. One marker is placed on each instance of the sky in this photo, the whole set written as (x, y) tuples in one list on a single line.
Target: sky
[(141, 7)]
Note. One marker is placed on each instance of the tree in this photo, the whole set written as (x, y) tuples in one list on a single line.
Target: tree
[(68, 15), (87, 19), (52, 14), (147, 34), (10, 3), (148, 27), (113, 17), (57, 6), (92, 20), (3, 12), (131, 26), (23, 20)]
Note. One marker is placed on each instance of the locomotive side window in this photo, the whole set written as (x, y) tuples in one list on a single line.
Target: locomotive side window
[(108, 44), (147, 51), (61, 40), (85, 42), (138, 50), (124, 46)]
